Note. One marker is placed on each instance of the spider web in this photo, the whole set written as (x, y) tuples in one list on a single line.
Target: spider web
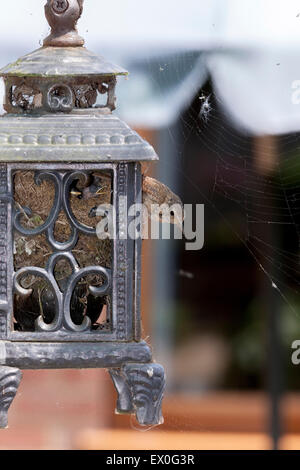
[(259, 175)]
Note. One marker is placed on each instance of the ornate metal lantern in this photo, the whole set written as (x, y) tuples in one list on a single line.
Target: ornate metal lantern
[(67, 298)]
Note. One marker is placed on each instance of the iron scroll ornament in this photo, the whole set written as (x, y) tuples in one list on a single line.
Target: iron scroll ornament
[(62, 299), (60, 98)]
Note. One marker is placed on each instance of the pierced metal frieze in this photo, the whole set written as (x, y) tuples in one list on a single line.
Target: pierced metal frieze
[(4, 198), (51, 95)]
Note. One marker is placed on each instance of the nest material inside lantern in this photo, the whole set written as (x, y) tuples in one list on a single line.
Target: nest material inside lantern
[(35, 250)]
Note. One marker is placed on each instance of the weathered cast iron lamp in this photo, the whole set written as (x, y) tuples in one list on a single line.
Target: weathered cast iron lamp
[(67, 298)]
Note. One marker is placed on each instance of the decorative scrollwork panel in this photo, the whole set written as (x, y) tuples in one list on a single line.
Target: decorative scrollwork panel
[(4, 198), (75, 298)]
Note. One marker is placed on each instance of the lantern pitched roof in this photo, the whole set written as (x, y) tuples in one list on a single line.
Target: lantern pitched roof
[(63, 52), (48, 62)]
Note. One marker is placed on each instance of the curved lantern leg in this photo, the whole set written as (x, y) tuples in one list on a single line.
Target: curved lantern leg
[(140, 390), (10, 379)]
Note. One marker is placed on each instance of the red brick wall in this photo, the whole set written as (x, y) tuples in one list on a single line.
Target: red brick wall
[(51, 407)]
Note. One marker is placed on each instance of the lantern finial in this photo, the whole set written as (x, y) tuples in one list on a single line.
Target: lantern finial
[(62, 16)]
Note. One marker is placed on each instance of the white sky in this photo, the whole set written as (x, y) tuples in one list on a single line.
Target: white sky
[(255, 88), (137, 23)]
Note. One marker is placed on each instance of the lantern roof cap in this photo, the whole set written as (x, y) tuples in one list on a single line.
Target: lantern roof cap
[(63, 52)]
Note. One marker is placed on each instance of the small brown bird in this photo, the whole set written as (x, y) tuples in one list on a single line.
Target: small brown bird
[(155, 195)]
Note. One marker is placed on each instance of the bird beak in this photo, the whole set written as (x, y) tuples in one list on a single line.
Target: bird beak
[(75, 193)]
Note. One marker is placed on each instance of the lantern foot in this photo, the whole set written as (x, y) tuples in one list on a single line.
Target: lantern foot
[(10, 379), (140, 390), (124, 403)]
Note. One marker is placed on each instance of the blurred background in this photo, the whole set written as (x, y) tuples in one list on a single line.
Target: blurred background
[(213, 86)]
